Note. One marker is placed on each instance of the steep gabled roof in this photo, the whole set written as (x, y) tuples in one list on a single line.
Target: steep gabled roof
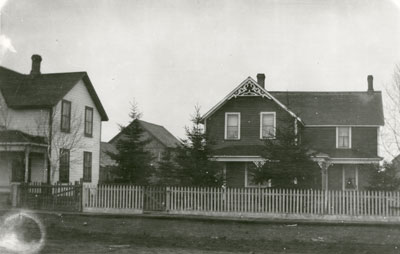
[(43, 90), (318, 108), (335, 108), (158, 132), (248, 87)]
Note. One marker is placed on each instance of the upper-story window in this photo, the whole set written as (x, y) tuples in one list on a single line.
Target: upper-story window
[(267, 125), (65, 116), (232, 125), (343, 137), (88, 121)]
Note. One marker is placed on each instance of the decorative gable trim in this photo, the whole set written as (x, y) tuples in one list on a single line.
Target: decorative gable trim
[(249, 87)]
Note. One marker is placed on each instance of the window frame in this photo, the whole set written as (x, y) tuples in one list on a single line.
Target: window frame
[(261, 124), (87, 169), (87, 134), (226, 125), (344, 178), (68, 129), (247, 183), (63, 167), (337, 137)]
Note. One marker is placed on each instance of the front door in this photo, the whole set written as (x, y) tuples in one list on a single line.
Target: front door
[(17, 170)]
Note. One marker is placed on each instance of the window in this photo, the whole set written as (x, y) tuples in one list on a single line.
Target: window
[(87, 166), (65, 116), (64, 166), (250, 170), (267, 125), (232, 125), (343, 137), (350, 177), (88, 121)]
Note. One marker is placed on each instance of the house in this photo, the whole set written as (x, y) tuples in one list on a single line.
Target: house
[(50, 127), (341, 128), (160, 141)]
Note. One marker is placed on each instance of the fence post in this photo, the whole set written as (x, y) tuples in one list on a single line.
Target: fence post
[(83, 196), (15, 194), (167, 198)]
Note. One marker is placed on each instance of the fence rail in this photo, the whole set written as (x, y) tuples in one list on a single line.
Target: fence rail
[(239, 201)]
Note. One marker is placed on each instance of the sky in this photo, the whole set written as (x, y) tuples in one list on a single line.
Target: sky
[(169, 56)]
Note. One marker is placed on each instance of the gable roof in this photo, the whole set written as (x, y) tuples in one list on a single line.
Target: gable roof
[(43, 90), (335, 108), (105, 159), (321, 108), (249, 87), (157, 131)]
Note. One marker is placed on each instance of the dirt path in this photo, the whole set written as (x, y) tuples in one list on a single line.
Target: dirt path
[(99, 234)]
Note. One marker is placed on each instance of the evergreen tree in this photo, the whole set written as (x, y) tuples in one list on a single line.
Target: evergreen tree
[(167, 171), (384, 178), (194, 166), (288, 163), (134, 162)]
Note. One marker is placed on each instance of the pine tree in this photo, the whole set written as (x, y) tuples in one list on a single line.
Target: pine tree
[(167, 171), (194, 166), (288, 163), (134, 162)]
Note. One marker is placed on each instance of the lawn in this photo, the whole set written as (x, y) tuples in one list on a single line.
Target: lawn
[(138, 234)]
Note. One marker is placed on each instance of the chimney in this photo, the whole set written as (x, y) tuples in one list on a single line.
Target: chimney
[(261, 79), (370, 83), (36, 59)]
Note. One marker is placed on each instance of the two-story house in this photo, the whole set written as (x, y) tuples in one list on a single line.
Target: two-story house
[(50, 127), (341, 130)]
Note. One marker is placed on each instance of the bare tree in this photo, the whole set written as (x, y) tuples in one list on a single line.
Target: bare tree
[(48, 126), (391, 132)]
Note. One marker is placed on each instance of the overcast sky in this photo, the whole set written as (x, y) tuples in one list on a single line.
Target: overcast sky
[(171, 55)]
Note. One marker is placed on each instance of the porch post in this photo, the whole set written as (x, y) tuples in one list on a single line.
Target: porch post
[(45, 169), (324, 165), (27, 151), (224, 174)]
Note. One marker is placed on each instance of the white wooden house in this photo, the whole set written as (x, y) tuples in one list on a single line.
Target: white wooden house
[(50, 127)]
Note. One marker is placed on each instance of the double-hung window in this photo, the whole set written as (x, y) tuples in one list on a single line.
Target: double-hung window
[(65, 116), (88, 121), (64, 166), (232, 125), (343, 137), (267, 125), (87, 166)]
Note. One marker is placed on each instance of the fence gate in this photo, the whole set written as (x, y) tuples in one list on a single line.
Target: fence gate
[(63, 197), (155, 198)]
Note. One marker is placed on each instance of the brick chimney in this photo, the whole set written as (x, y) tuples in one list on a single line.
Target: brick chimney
[(36, 59), (370, 83), (261, 79)]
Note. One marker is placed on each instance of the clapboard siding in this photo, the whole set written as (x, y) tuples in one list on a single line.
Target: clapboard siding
[(250, 109), (364, 139), (80, 98)]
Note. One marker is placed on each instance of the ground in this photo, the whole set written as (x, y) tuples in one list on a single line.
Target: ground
[(68, 233)]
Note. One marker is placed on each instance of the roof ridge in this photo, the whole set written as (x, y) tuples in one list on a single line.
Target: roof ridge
[(324, 91)]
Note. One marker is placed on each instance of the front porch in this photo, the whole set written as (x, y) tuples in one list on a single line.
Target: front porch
[(23, 158), (335, 174)]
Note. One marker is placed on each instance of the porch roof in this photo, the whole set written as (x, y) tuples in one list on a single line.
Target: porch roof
[(19, 137)]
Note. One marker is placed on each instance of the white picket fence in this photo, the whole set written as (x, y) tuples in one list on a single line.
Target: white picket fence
[(250, 202), (112, 198)]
